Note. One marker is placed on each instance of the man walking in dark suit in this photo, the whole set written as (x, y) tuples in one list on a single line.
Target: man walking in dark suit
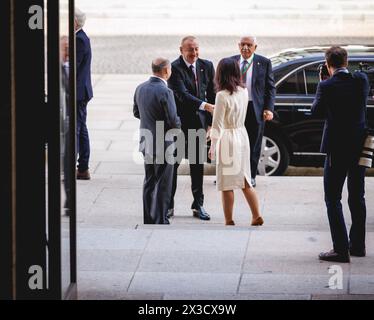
[(258, 77), (192, 82), (154, 105), (341, 100), (84, 94)]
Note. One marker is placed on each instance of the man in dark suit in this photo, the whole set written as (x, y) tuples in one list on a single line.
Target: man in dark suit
[(154, 105), (258, 77), (341, 100), (84, 94), (192, 82)]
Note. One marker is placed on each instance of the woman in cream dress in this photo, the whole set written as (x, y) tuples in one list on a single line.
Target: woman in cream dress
[(230, 142)]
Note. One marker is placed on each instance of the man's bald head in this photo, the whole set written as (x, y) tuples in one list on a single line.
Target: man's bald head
[(161, 67)]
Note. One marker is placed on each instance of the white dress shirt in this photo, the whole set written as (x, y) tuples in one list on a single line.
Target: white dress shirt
[(249, 74), (202, 106)]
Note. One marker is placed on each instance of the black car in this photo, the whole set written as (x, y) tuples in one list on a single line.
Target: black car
[(294, 136)]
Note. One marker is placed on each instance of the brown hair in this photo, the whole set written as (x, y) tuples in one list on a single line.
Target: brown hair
[(228, 75), (336, 57)]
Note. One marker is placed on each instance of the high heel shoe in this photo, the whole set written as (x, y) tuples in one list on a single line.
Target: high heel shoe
[(230, 223), (257, 222)]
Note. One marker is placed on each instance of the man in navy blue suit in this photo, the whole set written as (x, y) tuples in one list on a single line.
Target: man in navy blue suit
[(341, 100), (258, 77), (84, 94), (192, 82)]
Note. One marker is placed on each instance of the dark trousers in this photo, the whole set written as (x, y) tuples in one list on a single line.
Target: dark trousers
[(68, 163), (255, 132), (334, 177), (83, 140), (157, 189), (197, 177)]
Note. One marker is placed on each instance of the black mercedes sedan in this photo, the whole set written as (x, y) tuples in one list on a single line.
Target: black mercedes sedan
[(294, 136)]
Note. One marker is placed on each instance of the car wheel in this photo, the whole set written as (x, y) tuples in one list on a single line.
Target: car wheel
[(274, 157)]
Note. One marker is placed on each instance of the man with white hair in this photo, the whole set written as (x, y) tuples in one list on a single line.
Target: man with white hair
[(257, 76), (84, 94)]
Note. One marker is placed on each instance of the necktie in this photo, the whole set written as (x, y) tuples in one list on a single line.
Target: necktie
[(243, 71), (195, 79)]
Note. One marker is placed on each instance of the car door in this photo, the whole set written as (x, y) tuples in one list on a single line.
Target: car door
[(369, 64), (304, 131), (307, 128), (308, 133), (290, 91)]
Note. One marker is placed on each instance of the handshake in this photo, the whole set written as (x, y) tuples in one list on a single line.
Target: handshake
[(209, 107)]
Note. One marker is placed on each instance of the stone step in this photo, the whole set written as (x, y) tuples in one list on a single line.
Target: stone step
[(242, 8)]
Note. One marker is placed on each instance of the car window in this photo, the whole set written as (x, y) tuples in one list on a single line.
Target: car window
[(353, 66), (368, 68), (294, 84), (312, 78), (312, 74), (281, 72)]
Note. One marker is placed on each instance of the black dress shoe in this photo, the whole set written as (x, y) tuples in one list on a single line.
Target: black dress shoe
[(201, 214), (170, 213), (253, 183), (357, 253), (334, 256)]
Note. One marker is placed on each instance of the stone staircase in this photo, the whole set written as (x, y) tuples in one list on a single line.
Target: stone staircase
[(349, 9), (265, 18)]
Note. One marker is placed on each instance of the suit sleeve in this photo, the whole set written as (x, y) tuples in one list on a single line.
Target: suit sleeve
[(269, 88), (80, 51), (135, 107), (319, 107), (366, 92), (170, 109), (180, 91), (366, 84)]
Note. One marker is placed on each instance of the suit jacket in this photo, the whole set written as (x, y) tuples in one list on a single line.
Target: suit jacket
[(263, 87), (154, 101), (341, 100), (187, 98), (83, 57)]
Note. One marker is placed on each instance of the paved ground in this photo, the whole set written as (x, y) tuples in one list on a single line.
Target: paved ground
[(120, 258), (131, 54)]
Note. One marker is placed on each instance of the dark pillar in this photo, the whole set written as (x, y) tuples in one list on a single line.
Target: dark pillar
[(30, 129), (6, 165)]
